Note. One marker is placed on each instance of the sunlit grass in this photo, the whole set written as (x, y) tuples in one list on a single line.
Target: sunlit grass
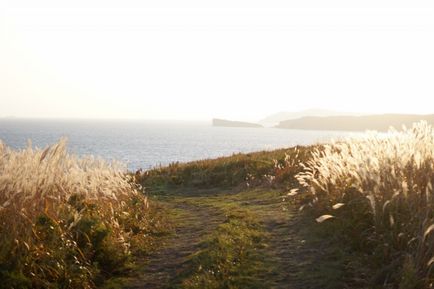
[(376, 193), (230, 257), (276, 167), (71, 222), (65, 221)]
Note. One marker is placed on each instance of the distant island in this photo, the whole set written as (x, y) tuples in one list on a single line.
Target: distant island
[(275, 119), (355, 123), (230, 123)]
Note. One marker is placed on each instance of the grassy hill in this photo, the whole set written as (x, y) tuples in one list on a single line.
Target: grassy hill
[(371, 199), (226, 172), (235, 227), (353, 214)]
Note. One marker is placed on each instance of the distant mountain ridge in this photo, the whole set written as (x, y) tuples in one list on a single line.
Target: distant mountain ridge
[(355, 123), (276, 118), (231, 123)]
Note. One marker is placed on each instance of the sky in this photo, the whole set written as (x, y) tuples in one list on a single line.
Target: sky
[(196, 60)]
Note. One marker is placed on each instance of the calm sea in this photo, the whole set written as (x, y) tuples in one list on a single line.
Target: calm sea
[(145, 144)]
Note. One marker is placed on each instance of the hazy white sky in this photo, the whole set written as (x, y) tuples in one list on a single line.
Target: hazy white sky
[(203, 59)]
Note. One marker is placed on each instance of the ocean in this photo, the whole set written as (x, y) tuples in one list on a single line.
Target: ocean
[(146, 144)]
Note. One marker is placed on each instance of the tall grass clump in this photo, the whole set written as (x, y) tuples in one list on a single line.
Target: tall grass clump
[(376, 192), (65, 221)]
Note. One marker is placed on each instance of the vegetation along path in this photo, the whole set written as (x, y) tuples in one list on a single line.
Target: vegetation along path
[(232, 228), (236, 239)]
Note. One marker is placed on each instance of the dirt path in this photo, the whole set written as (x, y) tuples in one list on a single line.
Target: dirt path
[(196, 222), (302, 260), (292, 255), (295, 259), (295, 255)]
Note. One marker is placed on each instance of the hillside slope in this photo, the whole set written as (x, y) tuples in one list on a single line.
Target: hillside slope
[(234, 227)]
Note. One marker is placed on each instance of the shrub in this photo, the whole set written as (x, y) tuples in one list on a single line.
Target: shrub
[(377, 192), (64, 221)]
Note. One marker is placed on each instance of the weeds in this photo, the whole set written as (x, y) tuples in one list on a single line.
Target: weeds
[(376, 192), (65, 221)]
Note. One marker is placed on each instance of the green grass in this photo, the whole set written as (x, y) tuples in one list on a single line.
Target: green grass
[(246, 220), (378, 190), (250, 169), (284, 246), (231, 256)]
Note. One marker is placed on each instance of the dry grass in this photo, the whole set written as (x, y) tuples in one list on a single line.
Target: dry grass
[(64, 220), (377, 193)]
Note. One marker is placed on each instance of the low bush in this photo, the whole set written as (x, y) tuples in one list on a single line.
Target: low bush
[(376, 193), (65, 222)]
